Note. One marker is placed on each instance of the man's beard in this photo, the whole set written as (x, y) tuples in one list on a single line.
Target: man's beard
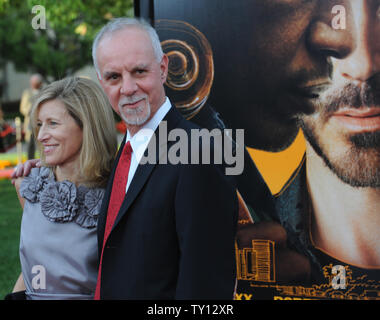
[(359, 164), (137, 116)]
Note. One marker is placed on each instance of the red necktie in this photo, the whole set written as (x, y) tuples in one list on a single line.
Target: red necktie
[(117, 196)]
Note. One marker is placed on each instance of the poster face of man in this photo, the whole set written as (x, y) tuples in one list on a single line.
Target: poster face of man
[(344, 129), (343, 150)]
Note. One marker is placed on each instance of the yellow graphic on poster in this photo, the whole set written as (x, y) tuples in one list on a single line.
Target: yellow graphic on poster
[(277, 167), (359, 288), (256, 263)]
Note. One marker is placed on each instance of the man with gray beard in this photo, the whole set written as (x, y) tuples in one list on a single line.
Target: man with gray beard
[(165, 231), (330, 208)]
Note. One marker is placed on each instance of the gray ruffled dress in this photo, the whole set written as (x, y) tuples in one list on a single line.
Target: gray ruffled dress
[(58, 243)]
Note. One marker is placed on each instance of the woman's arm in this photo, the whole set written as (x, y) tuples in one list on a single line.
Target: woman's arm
[(20, 285), (17, 184)]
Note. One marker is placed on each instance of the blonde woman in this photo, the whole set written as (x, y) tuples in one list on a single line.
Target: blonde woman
[(76, 137)]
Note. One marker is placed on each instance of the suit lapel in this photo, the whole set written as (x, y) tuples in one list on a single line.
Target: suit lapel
[(141, 176), (144, 170), (107, 195)]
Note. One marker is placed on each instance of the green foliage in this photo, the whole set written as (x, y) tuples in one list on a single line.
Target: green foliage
[(4, 4), (65, 45), (10, 220)]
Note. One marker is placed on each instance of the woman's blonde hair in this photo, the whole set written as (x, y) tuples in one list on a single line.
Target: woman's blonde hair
[(86, 102)]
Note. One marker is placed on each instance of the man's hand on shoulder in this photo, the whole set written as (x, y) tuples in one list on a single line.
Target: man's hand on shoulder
[(23, 170)]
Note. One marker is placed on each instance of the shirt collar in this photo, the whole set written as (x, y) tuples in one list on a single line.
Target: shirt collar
[(140, 140)]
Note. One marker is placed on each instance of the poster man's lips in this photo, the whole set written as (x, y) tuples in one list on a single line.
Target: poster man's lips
[(359, 120), (358, 112)]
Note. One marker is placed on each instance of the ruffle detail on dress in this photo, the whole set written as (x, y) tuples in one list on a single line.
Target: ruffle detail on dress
[(62, 201), (59, 201), (32, 184), (90, 202)]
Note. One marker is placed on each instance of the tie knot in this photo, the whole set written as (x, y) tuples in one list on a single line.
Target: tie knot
[(127, 149)]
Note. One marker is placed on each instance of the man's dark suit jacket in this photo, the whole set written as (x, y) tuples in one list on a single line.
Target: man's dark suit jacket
[(174, 235)]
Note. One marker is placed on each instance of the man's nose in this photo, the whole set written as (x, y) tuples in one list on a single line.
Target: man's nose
[(356, 46), (128, 86), (364, 61), (328, 40)]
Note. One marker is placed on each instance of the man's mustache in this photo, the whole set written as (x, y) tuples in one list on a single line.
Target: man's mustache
[(353, 95), (131, 99)]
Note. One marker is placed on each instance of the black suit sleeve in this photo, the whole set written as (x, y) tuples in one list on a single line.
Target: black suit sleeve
[(206, 211)]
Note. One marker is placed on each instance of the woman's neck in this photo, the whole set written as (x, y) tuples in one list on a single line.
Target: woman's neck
[(69, 171)]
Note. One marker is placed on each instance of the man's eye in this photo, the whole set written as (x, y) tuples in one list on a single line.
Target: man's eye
[(140, 71), (113, 76)]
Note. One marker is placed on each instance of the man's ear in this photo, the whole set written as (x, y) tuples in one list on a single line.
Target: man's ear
[(164, 65)]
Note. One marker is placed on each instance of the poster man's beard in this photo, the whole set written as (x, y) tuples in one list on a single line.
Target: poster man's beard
[(359, 165)]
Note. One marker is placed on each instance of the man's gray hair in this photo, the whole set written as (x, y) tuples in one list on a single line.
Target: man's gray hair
[(123, 23)]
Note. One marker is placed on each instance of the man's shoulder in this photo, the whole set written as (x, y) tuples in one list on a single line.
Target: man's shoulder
[(175, 116), (188, 125)]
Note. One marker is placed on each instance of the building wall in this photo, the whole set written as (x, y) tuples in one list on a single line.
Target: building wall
[(17, 81)]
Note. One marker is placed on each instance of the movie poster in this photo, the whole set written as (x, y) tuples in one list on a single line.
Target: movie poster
[(302, 79)]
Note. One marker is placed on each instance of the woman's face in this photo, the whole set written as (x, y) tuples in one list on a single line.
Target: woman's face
[(59, 134)]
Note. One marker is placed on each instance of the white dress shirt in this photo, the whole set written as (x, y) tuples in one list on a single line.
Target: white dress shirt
[(140, 140)]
